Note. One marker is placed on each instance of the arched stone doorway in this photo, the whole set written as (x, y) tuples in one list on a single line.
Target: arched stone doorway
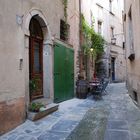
[(38, 55), (35, 59)]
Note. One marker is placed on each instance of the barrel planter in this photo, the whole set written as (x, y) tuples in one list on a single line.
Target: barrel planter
[(81, 89)]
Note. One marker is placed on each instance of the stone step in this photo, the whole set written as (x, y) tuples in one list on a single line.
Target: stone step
[(44, 101), (38, 115)]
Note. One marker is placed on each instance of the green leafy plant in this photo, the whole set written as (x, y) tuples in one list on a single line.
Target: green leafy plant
[(91, 40), (65, 3), (65, 23), (35, 107)]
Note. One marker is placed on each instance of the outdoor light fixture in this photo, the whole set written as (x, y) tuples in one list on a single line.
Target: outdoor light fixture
[(91, 49), (113, 40)]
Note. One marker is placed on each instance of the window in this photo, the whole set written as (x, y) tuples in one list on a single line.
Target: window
[(135, 96), (130, 29), (91, 18), (64, 30), (110, 6), (113, 39), (131, 57), (35, 29), (112, 32), (99, 27), (124, 17)]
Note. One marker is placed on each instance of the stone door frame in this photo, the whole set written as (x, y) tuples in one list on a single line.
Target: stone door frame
[(48, 91)]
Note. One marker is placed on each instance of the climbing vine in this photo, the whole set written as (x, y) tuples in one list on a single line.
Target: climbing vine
[(65, 24), (92, 40), (65, 3)]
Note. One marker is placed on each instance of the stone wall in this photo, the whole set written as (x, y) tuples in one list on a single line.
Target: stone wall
[(133, 66), (100, 11), (12, 114), (15, 17)]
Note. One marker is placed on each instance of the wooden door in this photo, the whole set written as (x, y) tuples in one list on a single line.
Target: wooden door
[(36, 67), (113, 68)]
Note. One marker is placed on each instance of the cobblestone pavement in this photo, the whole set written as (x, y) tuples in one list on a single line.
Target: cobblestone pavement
[(124, 115), (115, 117), (56, 126)]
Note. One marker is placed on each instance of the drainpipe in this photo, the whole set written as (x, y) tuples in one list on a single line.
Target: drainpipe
[(80, 32)]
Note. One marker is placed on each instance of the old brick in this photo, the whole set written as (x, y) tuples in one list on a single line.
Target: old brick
[(11, 115)]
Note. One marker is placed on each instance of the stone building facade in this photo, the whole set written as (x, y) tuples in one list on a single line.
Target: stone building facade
[(106, 16), (16, 33), (132, 39)]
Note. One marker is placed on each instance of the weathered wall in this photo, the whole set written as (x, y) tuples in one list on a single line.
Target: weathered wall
[(14, 45), (12, 82), (88, 66), (73, 20), (133, 67), (12, 114), (101, 12)]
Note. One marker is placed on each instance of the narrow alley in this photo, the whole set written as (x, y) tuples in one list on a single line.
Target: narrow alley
[(115, 117), (70, 70)]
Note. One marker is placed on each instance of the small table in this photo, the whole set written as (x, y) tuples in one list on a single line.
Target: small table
[(94, 85)]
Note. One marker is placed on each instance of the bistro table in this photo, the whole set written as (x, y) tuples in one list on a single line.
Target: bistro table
[(94, 85)]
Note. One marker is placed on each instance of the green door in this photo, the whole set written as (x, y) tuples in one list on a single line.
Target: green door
[(69, 73), (63, 73)]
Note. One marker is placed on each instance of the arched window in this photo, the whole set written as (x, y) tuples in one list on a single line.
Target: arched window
[(35, 29)]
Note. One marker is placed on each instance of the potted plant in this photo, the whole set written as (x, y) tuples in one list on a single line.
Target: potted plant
[(35, 106)]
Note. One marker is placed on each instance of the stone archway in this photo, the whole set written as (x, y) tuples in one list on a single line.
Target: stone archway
[(47, 54)]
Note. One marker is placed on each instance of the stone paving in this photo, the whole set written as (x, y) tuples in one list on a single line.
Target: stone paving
[(117, 127), (124, 118), (115, 117), (56, 126)]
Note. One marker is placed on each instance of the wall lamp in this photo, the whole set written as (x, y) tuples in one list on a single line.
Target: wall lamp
[(113, 40), (91, 49)]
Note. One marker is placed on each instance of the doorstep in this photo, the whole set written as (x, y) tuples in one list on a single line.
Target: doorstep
[(49, 108), (38, 115), (45, 101)]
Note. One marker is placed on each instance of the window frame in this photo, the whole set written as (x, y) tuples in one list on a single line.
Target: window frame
[(101, 24), (64, 30)]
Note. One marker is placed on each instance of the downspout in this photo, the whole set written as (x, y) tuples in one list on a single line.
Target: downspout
[(80, 44)]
